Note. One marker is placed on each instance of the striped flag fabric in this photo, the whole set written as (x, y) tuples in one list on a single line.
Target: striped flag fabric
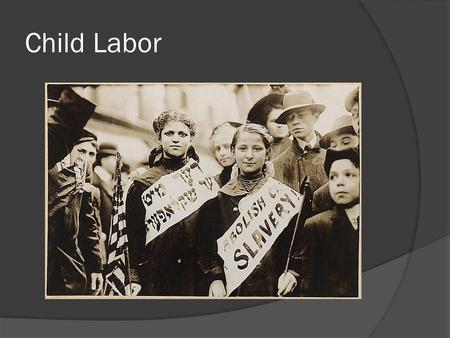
[(117, 278)]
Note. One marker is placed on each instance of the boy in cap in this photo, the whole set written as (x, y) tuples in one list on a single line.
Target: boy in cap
[(73, 255), (342, 136), (330, 245), (304, 157)]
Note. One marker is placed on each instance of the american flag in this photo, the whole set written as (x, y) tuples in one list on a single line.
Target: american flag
[(117, 272)]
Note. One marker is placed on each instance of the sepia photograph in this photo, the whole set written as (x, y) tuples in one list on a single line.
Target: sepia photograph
[(203, 190)]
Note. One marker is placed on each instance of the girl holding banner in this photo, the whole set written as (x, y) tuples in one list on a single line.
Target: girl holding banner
[(246, 230), (162, 234)]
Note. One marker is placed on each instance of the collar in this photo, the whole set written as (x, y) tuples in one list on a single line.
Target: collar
[(173, 164), (152, 174), (157, 158), (225, 175), (311, 143), (298, 148), (353, 214), (235, 188), (340, 214)]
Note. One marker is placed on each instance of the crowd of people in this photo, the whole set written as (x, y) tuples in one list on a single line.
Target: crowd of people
[(313, 251)]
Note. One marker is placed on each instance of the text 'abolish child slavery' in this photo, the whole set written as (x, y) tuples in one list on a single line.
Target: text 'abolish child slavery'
[(63, 43)]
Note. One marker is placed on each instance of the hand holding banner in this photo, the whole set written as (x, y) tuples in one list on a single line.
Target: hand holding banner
[(253, 233)]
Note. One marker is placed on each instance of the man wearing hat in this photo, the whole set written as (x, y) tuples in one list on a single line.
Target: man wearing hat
[(352, 106), (103, 179), (304, 157), (68, 114), (342, 136), (73, 254)]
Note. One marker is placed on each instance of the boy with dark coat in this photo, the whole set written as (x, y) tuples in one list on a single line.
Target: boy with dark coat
[(329, 253), (304, 157), (73, 230)]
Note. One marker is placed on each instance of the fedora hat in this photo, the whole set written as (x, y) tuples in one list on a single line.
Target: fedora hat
[(342, 125), (351, 99), (297, 101)]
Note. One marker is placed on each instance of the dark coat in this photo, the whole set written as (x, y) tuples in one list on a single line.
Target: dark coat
[(294, 164), (330, 256), (263, 281), (73, 241), (322, 200), (95, 195), (106, 195), (278, 146), (224, 176), (167, 266)]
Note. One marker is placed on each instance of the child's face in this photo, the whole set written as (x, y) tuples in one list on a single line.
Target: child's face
[(221, 144), (250, 152), (275, 129), (301, 123), (343, 141), (344, 182), (175, 139)]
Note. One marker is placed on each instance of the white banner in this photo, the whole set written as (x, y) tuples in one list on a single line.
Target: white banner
[(261, 221), (175, 196)]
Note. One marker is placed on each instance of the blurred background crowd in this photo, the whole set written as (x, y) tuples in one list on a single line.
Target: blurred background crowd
[(128, 110)]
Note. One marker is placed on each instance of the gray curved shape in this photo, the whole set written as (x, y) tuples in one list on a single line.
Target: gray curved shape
[(418, 150), (337, 33), (432, 223)]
